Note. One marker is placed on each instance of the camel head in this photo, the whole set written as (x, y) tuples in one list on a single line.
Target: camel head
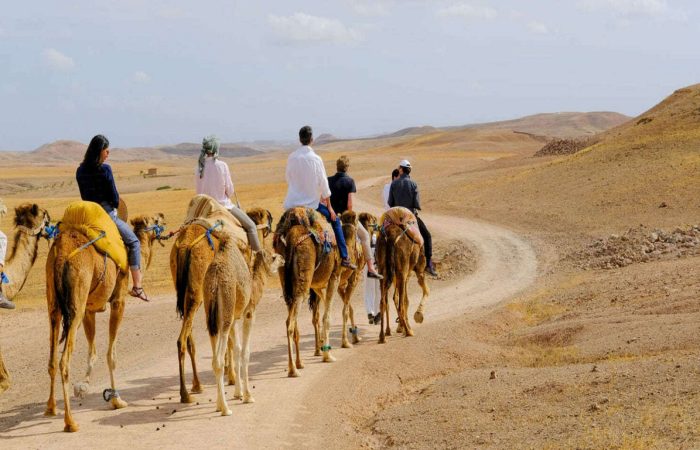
[(349, 217), (152, 225), (368, 221), (267, 261), (262, 218), (31, 219)]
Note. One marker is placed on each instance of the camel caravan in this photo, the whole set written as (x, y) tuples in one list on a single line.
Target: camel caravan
[(221, 259)]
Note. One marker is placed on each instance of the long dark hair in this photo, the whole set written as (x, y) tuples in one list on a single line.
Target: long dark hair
[(94, 150)]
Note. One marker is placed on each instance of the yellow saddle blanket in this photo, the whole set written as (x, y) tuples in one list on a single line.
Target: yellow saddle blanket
[(404, 219), (91, 219), (205, 211)]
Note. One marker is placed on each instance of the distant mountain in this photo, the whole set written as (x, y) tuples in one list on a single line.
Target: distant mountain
[(413, 131), (226, 150), (325, 139)]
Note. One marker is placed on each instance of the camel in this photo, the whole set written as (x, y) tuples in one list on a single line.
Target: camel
[(350, 277), (190, 258), (232, 291), (79, 284), (311, 271), (30, 221), (400, 251)]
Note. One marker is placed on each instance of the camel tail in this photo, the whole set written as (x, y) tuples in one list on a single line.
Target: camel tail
[(289, 274), (213, 316), (389, 262), (313, 300), (182, 278), (62, 287)]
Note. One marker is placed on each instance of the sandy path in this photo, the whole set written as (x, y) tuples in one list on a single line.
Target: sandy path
[(147, 369)]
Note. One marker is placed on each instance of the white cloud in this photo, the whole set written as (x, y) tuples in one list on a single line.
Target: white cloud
[(300, 27), (634, 8), (537, 27), (468, 11), (141, 77), (57, 60)]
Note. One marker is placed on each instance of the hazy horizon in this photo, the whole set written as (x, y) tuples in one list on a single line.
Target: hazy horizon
[(153, 72)]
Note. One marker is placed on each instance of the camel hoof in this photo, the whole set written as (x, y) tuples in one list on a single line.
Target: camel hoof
[(226, 412), (381, 341), (50, 411), (355, 339), (317, 352), (388, 331), (186, 399), (238, 396), (328, 358), (409, 333), (118, 403), (196, 389), (418, 317), (399, 329), (71, 428), (346, 345), (248, 399), (231, 381), (300, 365), (293, 374)]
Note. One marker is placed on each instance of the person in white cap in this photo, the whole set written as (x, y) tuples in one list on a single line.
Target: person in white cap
[(404, 192)]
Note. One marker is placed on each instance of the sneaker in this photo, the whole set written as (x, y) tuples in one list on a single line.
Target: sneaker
[(374, 275), (378, 319), (370, 318), (6, 302), (430, 268), (347, 263)]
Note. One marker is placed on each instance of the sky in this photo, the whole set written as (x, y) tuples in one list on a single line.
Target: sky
[(149, 72)]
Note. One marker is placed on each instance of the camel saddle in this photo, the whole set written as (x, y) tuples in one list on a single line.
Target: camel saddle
[(205, 211), (312, 220), (404, 219), (92, 220)]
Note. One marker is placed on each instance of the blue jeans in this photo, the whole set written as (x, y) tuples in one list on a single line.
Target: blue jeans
[(132, 243), (337, 230)]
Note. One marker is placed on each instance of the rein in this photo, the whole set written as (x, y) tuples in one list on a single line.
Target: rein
[(86, 245)]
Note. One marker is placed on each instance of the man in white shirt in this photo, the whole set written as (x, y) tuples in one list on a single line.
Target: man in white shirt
[(213, 178), (307, 185), (385, 193)]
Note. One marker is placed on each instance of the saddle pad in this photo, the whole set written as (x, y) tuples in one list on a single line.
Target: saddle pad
[(205, 211), (404, 219), (309, 218), (91, 219)]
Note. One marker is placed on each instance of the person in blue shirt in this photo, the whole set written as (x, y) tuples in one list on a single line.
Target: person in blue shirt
[(96, 184)]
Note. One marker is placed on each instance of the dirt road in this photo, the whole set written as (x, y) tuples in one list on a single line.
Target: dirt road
[(147, 367)]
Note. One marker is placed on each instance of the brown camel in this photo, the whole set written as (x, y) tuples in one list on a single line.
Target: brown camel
[(311, 271), (232, 291), (400, 251), (79, 284), (350, 277), (30, 221), (190, 258)]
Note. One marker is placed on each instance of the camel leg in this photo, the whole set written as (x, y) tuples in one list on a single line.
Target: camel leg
[(383, 313), (115, 317), (291, 329), (356, 333), (402, 285), (219, 344), (345, 343), (4, 376), (81, 388), (315, 321), (327, 302), (236, 359), (196, 385), (248, 321), (230, 370), (185, 333), (64, 366), (299, 363), (397, 303), (54, 332), (420, 275)]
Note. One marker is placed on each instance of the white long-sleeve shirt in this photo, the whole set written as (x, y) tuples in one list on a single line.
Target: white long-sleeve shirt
[(215, 182), (385, 195), (306, 178)]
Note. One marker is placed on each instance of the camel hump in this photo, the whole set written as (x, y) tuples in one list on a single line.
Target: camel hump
[(205, 211), (310, 219), (92, 220), (404, 219)]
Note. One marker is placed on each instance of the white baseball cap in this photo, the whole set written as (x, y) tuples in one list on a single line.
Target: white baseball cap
[(404, 163)]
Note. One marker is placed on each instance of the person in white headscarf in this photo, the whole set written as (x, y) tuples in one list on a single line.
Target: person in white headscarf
[(213, 178)]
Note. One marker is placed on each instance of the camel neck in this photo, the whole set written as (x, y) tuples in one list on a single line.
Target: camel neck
[(20, 261)]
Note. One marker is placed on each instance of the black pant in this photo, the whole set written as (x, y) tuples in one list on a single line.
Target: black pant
[(427, 239)]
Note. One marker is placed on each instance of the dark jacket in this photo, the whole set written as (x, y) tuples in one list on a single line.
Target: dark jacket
[(96, 184), (341, 185), (404, 192)]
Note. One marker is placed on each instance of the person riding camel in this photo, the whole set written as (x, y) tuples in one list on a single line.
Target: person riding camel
[(4, 301), (342, 195), (385, 192), (307, 186), (96, 184), (404, 192), (213, 178)]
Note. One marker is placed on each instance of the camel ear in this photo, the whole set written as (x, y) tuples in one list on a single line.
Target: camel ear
[(35, 209)]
